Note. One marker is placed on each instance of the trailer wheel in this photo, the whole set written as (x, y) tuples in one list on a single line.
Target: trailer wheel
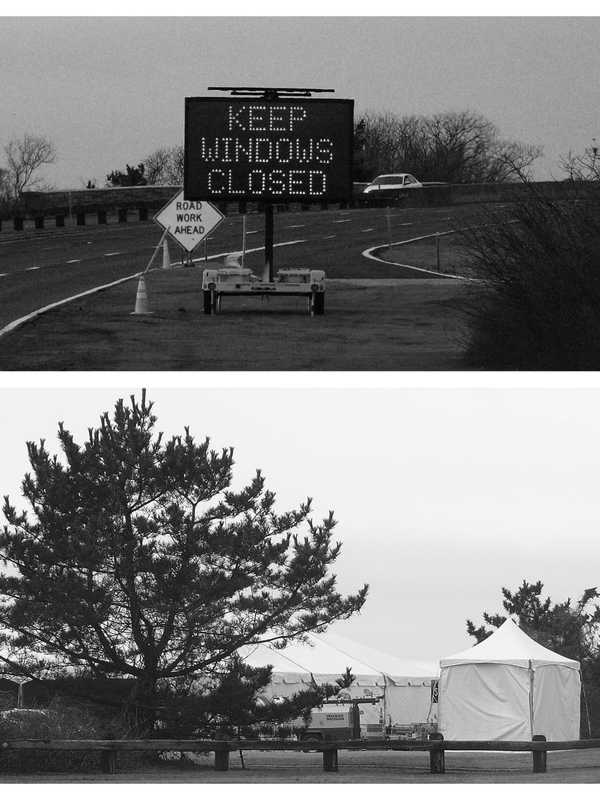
[(319, 303), (207, 302)]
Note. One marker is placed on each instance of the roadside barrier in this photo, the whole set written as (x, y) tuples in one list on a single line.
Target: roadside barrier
[(141, 299), (436, 746), (123, 202)]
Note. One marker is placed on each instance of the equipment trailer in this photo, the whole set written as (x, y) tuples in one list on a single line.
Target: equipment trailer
[(240, 282)]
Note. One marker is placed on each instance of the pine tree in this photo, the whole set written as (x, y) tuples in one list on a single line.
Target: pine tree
[(138, 560), (569, 628)]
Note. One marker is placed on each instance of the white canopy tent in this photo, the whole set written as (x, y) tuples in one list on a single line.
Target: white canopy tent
[(509, 687), (406, 686)]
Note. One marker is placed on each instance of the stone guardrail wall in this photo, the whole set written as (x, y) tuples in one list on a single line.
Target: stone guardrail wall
[(154, 197), (142, 201)]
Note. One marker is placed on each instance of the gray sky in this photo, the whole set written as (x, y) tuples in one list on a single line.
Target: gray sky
[(108, 91), (442, 495)]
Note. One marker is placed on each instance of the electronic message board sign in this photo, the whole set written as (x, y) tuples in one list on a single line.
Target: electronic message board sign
[(273, 151)]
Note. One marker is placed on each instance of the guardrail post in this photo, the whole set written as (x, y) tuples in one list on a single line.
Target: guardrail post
[(18, 223), (109, 761), (539, 756), (437, 756), (101, 217), (80, 218), (39, 223), (143, 214), (330, 760), (222, 759), (60, 220), (122, 215)]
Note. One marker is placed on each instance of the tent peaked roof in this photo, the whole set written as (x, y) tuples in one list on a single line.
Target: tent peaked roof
[(509, 645), (315, 658), (329, 654), (381, 662)]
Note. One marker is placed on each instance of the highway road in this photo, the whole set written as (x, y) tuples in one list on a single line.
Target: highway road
[(38, 268)]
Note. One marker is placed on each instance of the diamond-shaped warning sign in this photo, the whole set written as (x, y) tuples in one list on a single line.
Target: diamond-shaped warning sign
[(188, 221)]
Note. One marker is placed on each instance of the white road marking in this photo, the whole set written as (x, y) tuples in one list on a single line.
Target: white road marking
[(73, 261), (248, 250), (339, 221), (367, 230), (295, 226), (331, 236), (249, 233), (369, 253), (117, 253), (39, 311), (3, 274), (30, 269)]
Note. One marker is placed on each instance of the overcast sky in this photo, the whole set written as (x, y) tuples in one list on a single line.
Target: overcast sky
[(108, 91), (442, 495)]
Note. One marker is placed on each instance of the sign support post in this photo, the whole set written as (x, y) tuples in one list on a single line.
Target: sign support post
[(268, 270), (244, 239)]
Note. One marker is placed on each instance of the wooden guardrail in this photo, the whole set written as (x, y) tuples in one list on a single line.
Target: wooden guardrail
[(436, 746)]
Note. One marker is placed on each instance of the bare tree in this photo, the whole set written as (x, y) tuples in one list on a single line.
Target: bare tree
[(584, 166), (3, 184), (511, 161), (458, 147), (165, 166), (24, 157)]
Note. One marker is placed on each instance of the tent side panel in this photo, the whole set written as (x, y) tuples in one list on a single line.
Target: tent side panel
[(484, 702), (556, 698), (406, 705)]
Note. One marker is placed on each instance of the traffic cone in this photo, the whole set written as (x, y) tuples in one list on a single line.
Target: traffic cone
[(141, 298), (166, 257)]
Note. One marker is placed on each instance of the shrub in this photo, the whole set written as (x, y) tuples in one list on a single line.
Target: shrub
[(57, 721), (539, 267)]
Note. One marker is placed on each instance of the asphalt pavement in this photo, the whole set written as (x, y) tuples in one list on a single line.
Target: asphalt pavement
[(38, 268)]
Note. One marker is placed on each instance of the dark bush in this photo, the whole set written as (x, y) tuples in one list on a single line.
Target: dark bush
[(537, 305), (58, 721)]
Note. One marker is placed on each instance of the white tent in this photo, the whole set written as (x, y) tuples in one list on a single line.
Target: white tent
[(509, 687), (406, 686)]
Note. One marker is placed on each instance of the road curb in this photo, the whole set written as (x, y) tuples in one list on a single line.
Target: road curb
[(371, 252)]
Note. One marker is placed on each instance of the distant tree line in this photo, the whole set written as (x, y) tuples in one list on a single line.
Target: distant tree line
[(132, 176), (453, 147), (582, 166)]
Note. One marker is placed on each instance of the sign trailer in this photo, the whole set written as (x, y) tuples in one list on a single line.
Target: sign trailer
[(270, 145)]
